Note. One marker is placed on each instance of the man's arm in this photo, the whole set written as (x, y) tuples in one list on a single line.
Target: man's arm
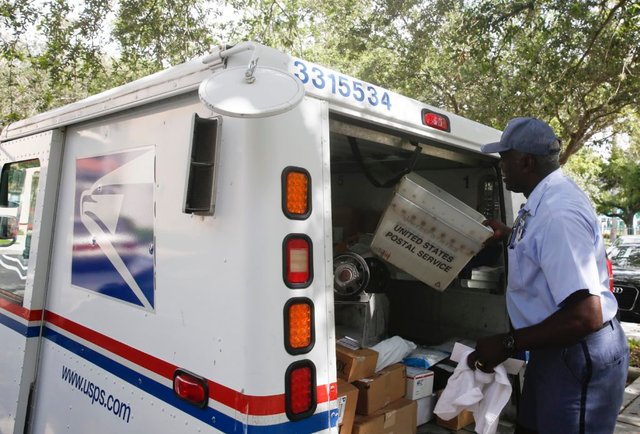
[(580, 315)]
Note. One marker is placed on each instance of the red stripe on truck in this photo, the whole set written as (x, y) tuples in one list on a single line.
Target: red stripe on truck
[(29, 315), (246, 404)]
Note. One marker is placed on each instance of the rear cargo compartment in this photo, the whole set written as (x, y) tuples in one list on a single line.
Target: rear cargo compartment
[(375, 300), (473, 304)]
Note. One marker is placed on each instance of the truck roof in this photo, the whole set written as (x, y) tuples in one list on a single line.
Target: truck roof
[(345, 94)]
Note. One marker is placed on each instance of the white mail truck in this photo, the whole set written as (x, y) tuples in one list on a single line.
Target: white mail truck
[(167, 247)]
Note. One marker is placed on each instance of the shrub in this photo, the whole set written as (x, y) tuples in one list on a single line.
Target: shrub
[(634, 349)]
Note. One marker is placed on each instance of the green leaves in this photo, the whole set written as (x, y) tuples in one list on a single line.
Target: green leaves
[(66, 50), (574, 63), (619, 177), (154, 34), (496, 59)]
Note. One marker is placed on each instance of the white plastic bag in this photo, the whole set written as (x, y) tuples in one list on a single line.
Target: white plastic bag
[(392, 351)]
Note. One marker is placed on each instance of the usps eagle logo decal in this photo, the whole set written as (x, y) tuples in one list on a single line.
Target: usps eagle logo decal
[(113, 238)]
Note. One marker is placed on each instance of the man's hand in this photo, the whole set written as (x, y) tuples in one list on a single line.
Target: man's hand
[(500, 230), (489, 353)]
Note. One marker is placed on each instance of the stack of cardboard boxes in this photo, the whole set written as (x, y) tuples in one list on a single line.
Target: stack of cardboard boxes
[(397, 399), (420, 390), (374, 402)]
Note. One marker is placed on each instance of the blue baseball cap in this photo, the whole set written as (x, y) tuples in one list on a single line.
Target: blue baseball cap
[(528, 135)]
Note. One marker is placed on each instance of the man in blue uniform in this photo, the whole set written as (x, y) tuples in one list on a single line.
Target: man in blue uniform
[(558, 295)]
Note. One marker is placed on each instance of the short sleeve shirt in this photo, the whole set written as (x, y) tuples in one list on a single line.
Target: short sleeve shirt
[(555, 249)]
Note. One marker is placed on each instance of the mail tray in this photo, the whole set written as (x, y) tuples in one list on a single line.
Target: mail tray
[(428, 233)]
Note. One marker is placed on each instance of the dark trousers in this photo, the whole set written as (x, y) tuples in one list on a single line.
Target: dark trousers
[(577, 389)]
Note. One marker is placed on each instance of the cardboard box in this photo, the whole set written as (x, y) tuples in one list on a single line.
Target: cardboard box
[(347, 399), (460, 421), (419, 383), (380, 389), (425, 408), (355, 364), (399, 417)]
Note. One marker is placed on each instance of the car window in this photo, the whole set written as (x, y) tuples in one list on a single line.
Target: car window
[(627, 256)]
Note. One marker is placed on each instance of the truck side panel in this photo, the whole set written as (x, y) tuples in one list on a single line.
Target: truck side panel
[(214, 302), (30, 170)]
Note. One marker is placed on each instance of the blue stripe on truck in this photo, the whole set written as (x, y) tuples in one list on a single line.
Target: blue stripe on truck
[(208, 415)]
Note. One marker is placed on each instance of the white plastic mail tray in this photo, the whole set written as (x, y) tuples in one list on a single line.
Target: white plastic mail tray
[(446, 207), (425, 235)]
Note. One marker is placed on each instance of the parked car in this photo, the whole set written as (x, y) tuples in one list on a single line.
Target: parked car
[(624, 240), (625, 259)]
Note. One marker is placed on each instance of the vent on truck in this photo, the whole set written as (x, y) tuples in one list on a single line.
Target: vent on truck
[(200, 195)]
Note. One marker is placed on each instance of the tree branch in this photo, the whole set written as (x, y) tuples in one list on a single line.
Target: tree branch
[(598, 31)]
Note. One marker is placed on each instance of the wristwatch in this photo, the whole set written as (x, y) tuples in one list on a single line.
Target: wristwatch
[(509, 344)]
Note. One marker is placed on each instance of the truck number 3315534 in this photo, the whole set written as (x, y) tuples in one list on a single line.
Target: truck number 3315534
[(341, 85)]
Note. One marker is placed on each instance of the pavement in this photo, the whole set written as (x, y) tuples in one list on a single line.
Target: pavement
[(632, 330), (629, 418)]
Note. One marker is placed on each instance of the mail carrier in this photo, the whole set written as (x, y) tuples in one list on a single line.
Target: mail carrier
[(181, 253)]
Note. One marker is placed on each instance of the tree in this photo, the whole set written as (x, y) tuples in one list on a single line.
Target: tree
[(574, 63), (154, 34), (585, 168), (305, 28), (16, 17), (78, 48), (620, 179)]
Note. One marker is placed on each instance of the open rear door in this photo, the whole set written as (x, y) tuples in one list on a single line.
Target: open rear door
[(28, 191)]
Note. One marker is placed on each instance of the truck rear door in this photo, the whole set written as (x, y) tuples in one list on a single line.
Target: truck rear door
[(28, 190)]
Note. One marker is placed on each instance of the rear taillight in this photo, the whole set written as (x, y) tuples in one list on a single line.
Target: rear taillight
[(191, 388), (435, 120), (297, 258), (299, 328), (610, 271), (296, 184), (300, 390)]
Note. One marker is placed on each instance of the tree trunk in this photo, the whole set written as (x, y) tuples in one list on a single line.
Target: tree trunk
[(628, 221)]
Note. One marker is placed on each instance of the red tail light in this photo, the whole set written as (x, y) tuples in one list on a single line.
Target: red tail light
[(610, 270), (297, 258), (435, 120), (191, 388), (300, 390)]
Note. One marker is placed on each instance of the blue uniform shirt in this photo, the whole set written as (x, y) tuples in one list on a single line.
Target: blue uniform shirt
[(555, 249)]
